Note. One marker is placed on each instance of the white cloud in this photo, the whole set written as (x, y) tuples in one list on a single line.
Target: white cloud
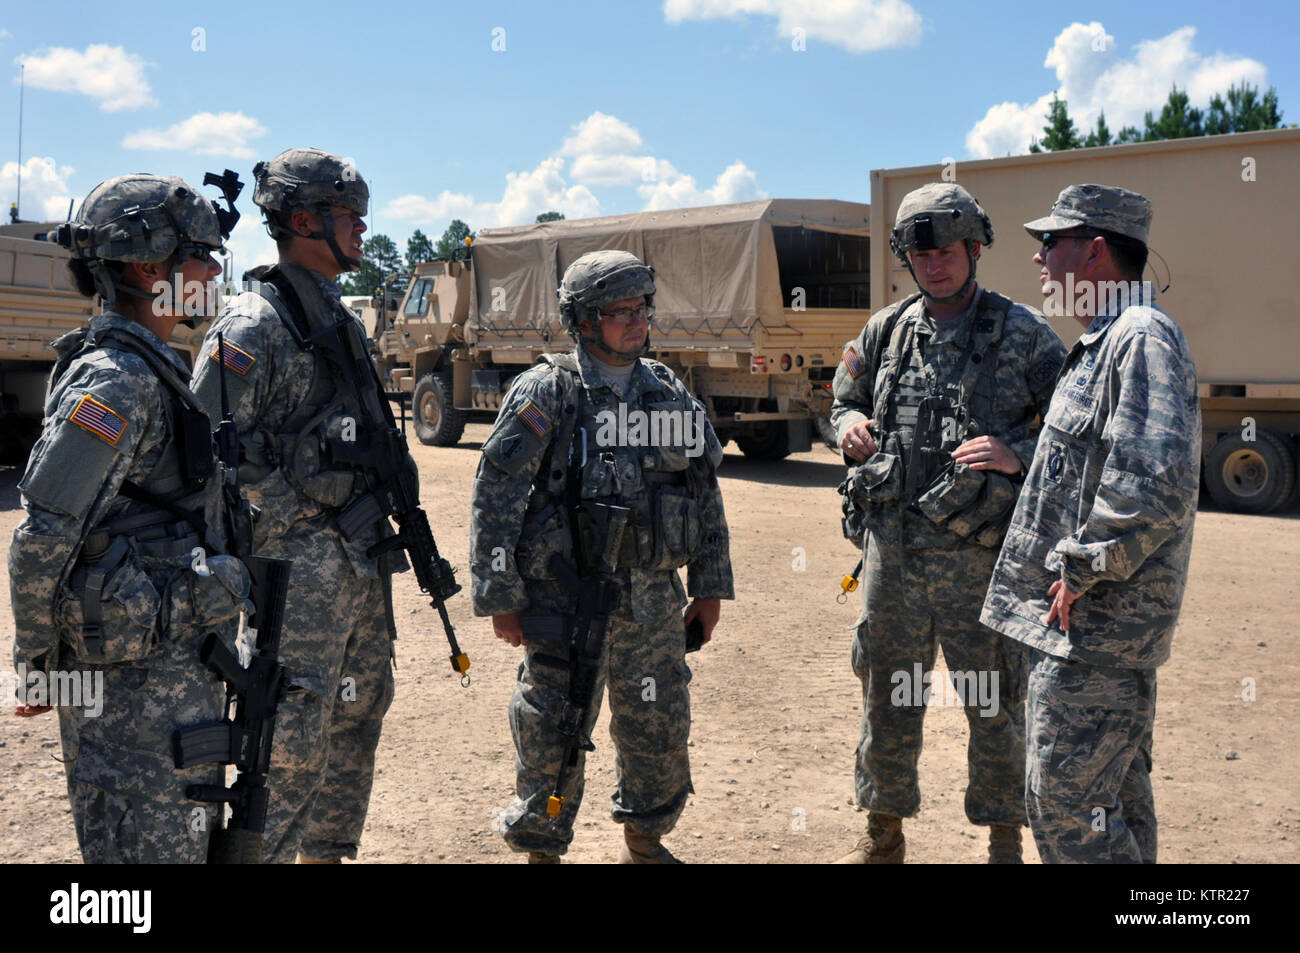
[(105, 73), (1091, 77), (5, 34), (859, 26), (601, 134), (45, 188), (224, 134), (526, 195), (599, 158), (737, 183)]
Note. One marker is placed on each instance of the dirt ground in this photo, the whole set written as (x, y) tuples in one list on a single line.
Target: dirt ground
[(776, 706)]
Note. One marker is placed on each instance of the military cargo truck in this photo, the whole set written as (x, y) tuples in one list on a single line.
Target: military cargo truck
[(753, 305), (1226, 209)]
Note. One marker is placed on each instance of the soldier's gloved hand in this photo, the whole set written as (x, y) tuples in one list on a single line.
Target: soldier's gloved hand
[(708, 611), (988, 453), (857, 442), (510, 628)]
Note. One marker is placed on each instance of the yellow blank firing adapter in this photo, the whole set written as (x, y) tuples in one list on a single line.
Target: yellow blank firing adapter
[(553, 806), (848, 584)]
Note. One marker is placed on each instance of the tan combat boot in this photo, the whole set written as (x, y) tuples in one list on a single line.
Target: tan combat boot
[(1004, 845), (537, 857), (644, 849), (882, 843)]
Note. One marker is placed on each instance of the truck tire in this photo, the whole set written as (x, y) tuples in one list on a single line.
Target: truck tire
[(769, 441), (437, 422), (1250, 476)]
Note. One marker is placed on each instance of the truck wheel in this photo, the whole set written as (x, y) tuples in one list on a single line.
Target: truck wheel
[(437, 422), (769, 441), (1250, 476)]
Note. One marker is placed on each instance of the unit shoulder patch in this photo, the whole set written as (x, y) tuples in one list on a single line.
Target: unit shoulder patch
[(99, 419)]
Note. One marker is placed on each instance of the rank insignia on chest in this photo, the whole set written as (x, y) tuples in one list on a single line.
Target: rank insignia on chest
[(534, 419), (235, 359), (99, 419), (852, 362)]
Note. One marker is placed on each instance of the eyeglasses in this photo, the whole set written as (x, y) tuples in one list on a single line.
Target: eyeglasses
[(1050, 240), (197, 250), (628, 315)]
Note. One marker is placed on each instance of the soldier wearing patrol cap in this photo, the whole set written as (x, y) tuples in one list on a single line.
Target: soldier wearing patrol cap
[(117, 574), (1092, 573), (548, 456), (936, 401), (291, 354)]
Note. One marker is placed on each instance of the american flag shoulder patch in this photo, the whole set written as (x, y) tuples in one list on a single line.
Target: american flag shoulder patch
[(99, 419), (852, 362), (237, 360), (534, 419)]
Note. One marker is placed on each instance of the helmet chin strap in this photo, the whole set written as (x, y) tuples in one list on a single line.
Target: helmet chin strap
[(344, 262), (595, 343)]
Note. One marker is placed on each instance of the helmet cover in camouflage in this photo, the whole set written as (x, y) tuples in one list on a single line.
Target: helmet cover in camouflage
[(306, 178), (935, 215), (140, 218), (599, 278), (1106, 207)]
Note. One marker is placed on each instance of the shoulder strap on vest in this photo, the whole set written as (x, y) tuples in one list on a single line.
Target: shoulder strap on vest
[(568, 385)]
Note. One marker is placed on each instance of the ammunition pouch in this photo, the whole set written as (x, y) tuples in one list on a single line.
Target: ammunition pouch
[(115, 607), (866, 489), (545, 533), (676, 536), (974, 504)]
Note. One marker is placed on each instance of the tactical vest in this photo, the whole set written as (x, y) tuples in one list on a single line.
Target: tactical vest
[(301, 447), (172, 511), (666, 507)]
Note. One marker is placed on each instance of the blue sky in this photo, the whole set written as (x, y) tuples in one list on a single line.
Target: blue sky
[(496, 111)]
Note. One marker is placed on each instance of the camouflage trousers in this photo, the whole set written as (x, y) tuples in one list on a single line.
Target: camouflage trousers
[(1088, 762), (914, 601), (644, 666), (128, 799), (337, 656)]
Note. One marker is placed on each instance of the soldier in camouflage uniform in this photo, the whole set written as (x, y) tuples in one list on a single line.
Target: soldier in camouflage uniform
[(117, 572), (520, 520), (1101, 536), (936, 399), (295, 410)]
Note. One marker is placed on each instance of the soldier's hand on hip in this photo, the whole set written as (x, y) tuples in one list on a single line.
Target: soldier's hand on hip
[(988, 453), (1062, 599), (510, 628), (708, 611), (857, 443)]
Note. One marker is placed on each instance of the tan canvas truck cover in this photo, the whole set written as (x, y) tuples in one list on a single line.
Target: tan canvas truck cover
[(716, 274)]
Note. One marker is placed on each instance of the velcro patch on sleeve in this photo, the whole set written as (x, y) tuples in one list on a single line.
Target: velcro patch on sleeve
[(852, 362), (235, 359), (534, 419), (99, 419)]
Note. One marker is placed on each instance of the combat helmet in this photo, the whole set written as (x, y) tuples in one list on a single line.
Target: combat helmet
[(143, 218), (597, 279), (315, 180), (935, 215)]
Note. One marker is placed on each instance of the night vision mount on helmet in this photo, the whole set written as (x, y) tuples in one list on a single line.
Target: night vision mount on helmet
[(146, 218), (934, 216)]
